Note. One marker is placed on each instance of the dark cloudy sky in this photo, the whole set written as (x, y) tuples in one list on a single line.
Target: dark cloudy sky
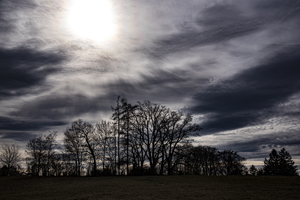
[(235, 65)]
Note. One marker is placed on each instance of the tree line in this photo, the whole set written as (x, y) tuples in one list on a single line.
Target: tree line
[(140, 139)]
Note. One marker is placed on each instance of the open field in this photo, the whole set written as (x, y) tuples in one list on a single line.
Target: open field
[(150, 187)]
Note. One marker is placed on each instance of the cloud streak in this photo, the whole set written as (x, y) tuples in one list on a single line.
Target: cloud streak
[(247, 97)]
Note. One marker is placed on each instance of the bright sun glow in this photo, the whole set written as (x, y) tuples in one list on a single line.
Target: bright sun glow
[(92, 19)]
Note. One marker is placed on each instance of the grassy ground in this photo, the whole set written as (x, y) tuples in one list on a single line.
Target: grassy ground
[(150, 187)]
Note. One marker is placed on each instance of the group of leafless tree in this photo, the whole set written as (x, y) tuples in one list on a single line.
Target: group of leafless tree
[(10, 158), (140, 139)]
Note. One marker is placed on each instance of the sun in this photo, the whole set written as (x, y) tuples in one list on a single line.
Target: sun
[(91, 19)]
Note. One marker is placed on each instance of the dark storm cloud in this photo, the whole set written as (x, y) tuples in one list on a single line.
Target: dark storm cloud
[(250, 96), (23, 68), (18, 136), (61, 106), (20, 129), (19, 124)]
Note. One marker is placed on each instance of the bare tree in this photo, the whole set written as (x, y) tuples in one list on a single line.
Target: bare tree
[(90, 144), (36, 154), (81, 141), (137, 154), (207, 160), (176, 130), (147, 124), (160, 131), (50, 146), (73, 143), (232, 162), (106, 140), (41, 154), (10, 156)]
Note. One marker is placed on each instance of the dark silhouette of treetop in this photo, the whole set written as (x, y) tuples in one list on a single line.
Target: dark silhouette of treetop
[(280, 163)]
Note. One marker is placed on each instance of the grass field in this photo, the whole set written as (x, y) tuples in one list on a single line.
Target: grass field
[(150, 187)]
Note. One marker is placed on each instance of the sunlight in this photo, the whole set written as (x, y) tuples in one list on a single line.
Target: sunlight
[(91, 19)]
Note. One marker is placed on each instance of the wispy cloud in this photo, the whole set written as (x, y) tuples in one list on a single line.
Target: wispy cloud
[(249, 97)]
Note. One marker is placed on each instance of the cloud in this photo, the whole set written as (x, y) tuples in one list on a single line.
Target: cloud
[(23, 68), (21, 129), (5, 26), (8, 16), (209, 30), (261, 145), (61, 107), (21, 136), (249, 97), (69, 102), (20, 124), (223, 22)]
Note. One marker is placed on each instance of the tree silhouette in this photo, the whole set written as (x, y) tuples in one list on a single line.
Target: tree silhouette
[(41, 154), (280, 163), (89, 145), (144, 138), (253, 170), (106, 141), (232, 162), (10, 157), (160, 132), (73, 143)]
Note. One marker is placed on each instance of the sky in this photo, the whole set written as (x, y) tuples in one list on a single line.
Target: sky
[(234, 65)]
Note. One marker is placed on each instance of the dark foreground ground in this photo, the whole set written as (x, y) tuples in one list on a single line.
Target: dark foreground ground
[(150, 187)]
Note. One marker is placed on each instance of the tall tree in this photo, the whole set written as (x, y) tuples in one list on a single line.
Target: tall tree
[(10, 156), (122, 115), (280, 163), (271, 165), (87, 132), (287, 166), (117, 118), (127, 113)]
